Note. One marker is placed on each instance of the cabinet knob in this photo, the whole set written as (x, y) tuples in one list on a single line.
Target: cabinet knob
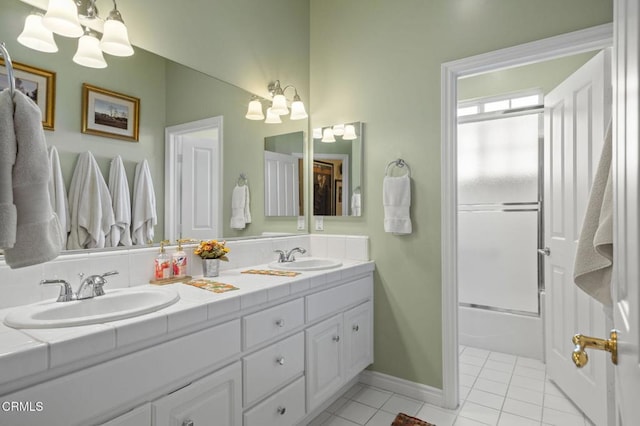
[(336, 338), (355, 327), (280, 360), (188, 422), (282, 410), (280, 322)]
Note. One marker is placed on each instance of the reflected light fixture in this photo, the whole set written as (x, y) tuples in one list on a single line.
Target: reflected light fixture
[(349, 132), (338, 129), (317, 133), (327, 135), (35, 36), (278, 105), (67, 18)]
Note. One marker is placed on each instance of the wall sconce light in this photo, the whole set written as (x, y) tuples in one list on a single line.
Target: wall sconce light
[(328, 135), (278, 105), (64, 17)]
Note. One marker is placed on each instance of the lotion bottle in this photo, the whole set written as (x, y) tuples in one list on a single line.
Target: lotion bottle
[(162, 263), (179, 261)]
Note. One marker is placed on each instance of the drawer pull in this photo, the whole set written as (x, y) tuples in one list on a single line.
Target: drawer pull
[(356, 327), (280, 360), (188, 422), (280, 322), (336, 338), (282, 410)]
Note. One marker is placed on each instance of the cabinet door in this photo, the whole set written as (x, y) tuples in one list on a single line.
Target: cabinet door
[(212, 401), (358, 339), (325, 365), (140, 416)]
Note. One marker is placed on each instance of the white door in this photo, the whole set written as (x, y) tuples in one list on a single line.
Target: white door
[(199, 208), (626, 139), (281, 184), (576, 115)]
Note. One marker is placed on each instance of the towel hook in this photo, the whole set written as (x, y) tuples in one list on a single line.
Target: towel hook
[(9, 66), (400, 163)]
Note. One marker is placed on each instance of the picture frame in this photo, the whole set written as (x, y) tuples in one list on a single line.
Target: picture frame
[(38, 84), (110, 114), (323, 202)]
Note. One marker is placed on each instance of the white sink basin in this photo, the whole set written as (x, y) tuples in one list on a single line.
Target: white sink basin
[(307, 264), (114, 305)]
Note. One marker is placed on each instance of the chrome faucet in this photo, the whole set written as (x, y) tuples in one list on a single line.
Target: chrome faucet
[(288, 256), (66, 292), (91, 286)]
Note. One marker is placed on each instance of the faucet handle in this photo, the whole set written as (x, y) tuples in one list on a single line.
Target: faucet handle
[(106, 274), (99, 282), (282, 257), (66, 292)]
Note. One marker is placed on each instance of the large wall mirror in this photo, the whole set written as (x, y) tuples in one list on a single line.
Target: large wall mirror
[(337, 170), (170, 94)]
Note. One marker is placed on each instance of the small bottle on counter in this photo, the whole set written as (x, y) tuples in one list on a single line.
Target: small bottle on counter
[(179, 261), (162, 263)]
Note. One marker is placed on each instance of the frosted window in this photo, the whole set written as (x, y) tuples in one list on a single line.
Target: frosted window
[(496, 106), (525, 101), (467, 111), (498, 160)]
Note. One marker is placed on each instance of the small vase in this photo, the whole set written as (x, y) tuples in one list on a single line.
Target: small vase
[(210, 267)]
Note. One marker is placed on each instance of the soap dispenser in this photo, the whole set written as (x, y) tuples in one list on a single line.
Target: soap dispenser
[(179, 261), (163, 263)]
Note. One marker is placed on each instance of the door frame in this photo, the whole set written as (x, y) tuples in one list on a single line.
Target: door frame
[(173, 173), (594, 38)]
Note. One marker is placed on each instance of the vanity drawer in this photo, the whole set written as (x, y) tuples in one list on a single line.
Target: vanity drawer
[(265, 325), (336, 299), (272, 366), (284, 408)]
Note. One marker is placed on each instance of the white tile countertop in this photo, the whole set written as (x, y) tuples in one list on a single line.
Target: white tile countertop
[(29, 356)]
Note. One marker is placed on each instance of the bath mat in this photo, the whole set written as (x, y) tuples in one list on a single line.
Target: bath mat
[(212, 286), (271, 272), (406, 420)]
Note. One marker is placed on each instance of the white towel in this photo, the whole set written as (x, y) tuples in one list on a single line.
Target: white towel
[(396, 198), (594, 256), (356, 204), (240, 207), (38, 235), (143, 217), (58, 193), (8, 150), (90, 205), (120, 234)]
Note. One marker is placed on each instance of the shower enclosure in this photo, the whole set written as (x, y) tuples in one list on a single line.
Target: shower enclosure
[(499, 228)]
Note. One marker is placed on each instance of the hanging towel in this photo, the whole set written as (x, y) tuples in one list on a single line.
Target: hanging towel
[(144, 216), (8, 217), (120, 234), (90, 205), (396, 198), (38, 234), (356, 204), (594, 256), (240, 207), (58, 193)]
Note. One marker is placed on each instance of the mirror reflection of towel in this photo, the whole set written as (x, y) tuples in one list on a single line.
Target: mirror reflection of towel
[(240, 207), (120, 234), (594, 256), (144, 216)]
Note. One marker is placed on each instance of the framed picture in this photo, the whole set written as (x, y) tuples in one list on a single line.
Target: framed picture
[(37, 84), (323, 203), (338, 192), (110, 114)]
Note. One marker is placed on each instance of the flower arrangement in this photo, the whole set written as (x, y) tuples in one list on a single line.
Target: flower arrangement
[(212, 249)]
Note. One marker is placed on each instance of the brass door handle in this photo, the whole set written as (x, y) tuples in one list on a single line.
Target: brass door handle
[(580, 357)]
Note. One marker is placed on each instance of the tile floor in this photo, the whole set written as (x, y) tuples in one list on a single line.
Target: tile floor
[(495, 389)]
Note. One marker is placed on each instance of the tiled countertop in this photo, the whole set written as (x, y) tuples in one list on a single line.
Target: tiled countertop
[(32, 353)]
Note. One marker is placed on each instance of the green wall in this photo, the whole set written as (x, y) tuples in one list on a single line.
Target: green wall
[(543, 75), (379, 62)]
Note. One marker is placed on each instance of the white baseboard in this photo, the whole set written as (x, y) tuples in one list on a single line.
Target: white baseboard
[(403, 387)]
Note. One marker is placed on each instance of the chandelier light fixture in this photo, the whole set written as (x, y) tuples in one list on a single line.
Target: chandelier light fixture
[(278, 105), (67, 18)]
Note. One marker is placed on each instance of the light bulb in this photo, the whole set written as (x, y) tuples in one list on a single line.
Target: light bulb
[(62, 18), (89, 53), (35, 36)]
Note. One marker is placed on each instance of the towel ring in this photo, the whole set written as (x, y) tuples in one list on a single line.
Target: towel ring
[(400, 163), (9, 66), (242, 179)]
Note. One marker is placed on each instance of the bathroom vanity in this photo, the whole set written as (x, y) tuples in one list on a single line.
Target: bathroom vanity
[(273, 352)]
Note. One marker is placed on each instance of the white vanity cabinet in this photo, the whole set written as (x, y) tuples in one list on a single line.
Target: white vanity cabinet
[(213, 400), (140, 416)]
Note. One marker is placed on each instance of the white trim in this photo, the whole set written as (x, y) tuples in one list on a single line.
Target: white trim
[(409, 389), (173, 139), (589, 39)]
